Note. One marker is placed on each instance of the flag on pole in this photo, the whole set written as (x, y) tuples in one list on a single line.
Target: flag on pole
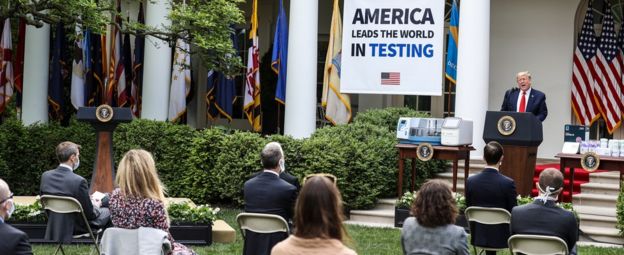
[(220, 96), (78, 73), (451, 49), (608, 74), (180, 81), (337, 106), (583, 104), (19, 62), (221, 92), (115, 67), (280, 53), (124, 69), (251, 103), (6, 71), (55, 86), (137, 68)]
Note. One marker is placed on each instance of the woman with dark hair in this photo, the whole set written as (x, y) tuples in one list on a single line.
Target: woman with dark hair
[(318, 221), (432, 229)]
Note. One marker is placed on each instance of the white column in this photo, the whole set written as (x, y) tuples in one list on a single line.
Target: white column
[(156, 65), (473, 66), (300, 112), (36, 70)]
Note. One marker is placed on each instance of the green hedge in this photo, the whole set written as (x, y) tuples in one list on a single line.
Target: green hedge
[(212, 165), (620, 209)]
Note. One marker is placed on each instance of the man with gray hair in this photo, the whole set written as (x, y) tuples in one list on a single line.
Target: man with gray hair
[(62, 181), (543, 216), (268, 193), (13, 241), (524, 98)]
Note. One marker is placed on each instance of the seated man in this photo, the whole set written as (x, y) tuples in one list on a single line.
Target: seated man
[(543, 216), (62, 181), (13, 241), (283, 174), (491, 189), (268, 193)]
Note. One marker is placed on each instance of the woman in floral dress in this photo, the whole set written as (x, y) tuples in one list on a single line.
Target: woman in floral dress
[(139, 200)]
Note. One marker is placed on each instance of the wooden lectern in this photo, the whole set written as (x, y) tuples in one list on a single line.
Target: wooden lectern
[(104, 119), (520, 133)]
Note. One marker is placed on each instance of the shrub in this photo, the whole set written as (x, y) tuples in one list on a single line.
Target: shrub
[(237, 160), (212, 165), (387, 117), (171, 147), (360, 155), (27, 151), (620, 210)]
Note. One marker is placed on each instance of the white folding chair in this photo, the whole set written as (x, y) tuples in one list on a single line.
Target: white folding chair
[(537, 245), (487, 216), (69, 205), (261, 223)]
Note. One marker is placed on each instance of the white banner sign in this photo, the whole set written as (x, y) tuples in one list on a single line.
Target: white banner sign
[(392, 47)]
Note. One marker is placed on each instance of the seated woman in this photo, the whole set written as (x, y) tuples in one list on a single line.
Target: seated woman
[(139, 200), (432, 229), (318, 221)]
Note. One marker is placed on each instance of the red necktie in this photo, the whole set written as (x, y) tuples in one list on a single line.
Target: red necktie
[(522, 102)]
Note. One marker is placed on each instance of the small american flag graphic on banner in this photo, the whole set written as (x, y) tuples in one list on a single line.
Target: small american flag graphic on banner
[(390, 78)]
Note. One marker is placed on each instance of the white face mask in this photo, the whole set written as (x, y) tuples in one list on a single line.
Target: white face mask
[(77, 164), (11, 210), (282, 165)]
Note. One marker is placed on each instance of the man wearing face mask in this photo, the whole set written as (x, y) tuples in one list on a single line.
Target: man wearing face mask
[(268, 193), (12, 240), (543, 216), (62, 181)]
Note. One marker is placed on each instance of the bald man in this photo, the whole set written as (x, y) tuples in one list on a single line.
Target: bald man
[(543, 216), (12, 240)]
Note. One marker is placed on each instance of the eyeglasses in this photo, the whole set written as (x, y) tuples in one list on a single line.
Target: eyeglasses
[(4, 200), (331, 177)]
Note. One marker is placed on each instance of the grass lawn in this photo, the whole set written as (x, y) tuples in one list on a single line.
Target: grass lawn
[(365, 240)]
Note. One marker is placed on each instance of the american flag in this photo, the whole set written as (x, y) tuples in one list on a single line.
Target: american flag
[(582, 90), (390, 78), (608, 77)]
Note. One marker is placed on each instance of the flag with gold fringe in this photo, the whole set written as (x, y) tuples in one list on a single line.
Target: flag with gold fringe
[(337, 106), (251, 101), (180, 81)]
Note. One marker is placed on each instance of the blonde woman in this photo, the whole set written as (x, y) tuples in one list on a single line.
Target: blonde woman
[(139, 200)]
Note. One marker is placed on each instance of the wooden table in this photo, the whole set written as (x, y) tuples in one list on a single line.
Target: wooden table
[(454, 153), (574, 161)]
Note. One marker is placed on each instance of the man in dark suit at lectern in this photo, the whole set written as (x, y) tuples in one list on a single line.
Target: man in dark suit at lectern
[(491, 189), (525, 99)]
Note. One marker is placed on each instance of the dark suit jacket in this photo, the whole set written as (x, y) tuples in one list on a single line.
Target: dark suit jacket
[(545, 219), (285, 176), (63, 182), (490, 189), (536, 103), (267, 193), (13, 241)]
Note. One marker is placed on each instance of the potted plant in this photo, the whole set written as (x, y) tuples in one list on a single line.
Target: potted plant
[(402, 208), (461, 221), (191, 225), (31, 219)]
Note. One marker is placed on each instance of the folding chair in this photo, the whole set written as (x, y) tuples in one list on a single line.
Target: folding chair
[(261, 223), (537, 245), (143, 240), (69, 205), (487, 216)]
